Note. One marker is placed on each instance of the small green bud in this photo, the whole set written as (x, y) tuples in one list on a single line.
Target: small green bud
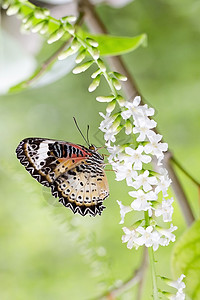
[(105, 98), (111, 106), (120, 100), (68, 19), (38, 26), (13, 9), (101, 65), (45, 28), (128, 127), (75, 44), (5, 4), (69, 28), (116, 84), (56, 35), (96, 73), (39, 13), (94, 84), (66, 53), (92, 42), (120, 76), (95, 53), (80, 57), (83, 67)]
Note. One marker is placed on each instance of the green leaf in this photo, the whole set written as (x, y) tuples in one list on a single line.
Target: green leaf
[(115, 45), (186, 260)]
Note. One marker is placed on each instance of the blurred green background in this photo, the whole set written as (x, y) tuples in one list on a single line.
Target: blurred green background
[(46, 252)]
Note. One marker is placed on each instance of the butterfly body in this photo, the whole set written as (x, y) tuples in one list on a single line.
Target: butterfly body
[(74, 173)]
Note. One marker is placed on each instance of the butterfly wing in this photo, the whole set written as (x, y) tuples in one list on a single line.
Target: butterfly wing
[(69, 170), (82, 189)]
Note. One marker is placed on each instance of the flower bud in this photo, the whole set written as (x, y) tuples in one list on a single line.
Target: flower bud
[(66, 53), (96, 73), (116, 84), (92, 42), (38, 26), (120, 76), (80, 57), (94, 84), (69, 28), (95, 53), (111, 106), (83, 67), (101, 65), (39, 13), (120, 100), (5, 4), (13, 9), (105, 98), (75, 44), (56, 35), (68, 19), (45, 28), (128, 127)]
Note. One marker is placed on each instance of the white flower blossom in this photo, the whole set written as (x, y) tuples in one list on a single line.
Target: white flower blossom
[(149, 237), (142, 201), (155, 147), (179, 285), (130, 238), (145, 181), (163, 183), (136, 157), (143, 126), (132, 109), (123, 211), (125, 171), (167, 233), (107, 122), (165, 209)]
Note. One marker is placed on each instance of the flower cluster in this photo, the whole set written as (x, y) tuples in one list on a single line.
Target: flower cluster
[(131, 162)]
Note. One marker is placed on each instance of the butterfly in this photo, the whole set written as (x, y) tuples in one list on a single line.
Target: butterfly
[(74, 172)]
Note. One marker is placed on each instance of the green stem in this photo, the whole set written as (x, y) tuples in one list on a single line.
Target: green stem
[(152, 262)]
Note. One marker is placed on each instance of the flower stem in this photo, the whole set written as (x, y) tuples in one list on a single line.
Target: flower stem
[(152, 262), (153, 273)]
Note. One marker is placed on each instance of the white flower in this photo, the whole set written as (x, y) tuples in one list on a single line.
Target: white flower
[(130, 238), (136, 157), (179, 285), (178, 296), (110, 134), (123, 211), (143, 126), (145, 181), (147, 111), (168, 235), (149, 237), (165, 209), (125, 171), (155, 147), (132, 109), (163, 183), (141, 202), (107, 122), (114, 151)]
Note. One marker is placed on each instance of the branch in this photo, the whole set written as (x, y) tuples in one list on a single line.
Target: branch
[(95, 24), (137, 277)]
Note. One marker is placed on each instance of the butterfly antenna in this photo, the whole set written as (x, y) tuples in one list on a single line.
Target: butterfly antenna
[(88, 127), (80, 131)]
